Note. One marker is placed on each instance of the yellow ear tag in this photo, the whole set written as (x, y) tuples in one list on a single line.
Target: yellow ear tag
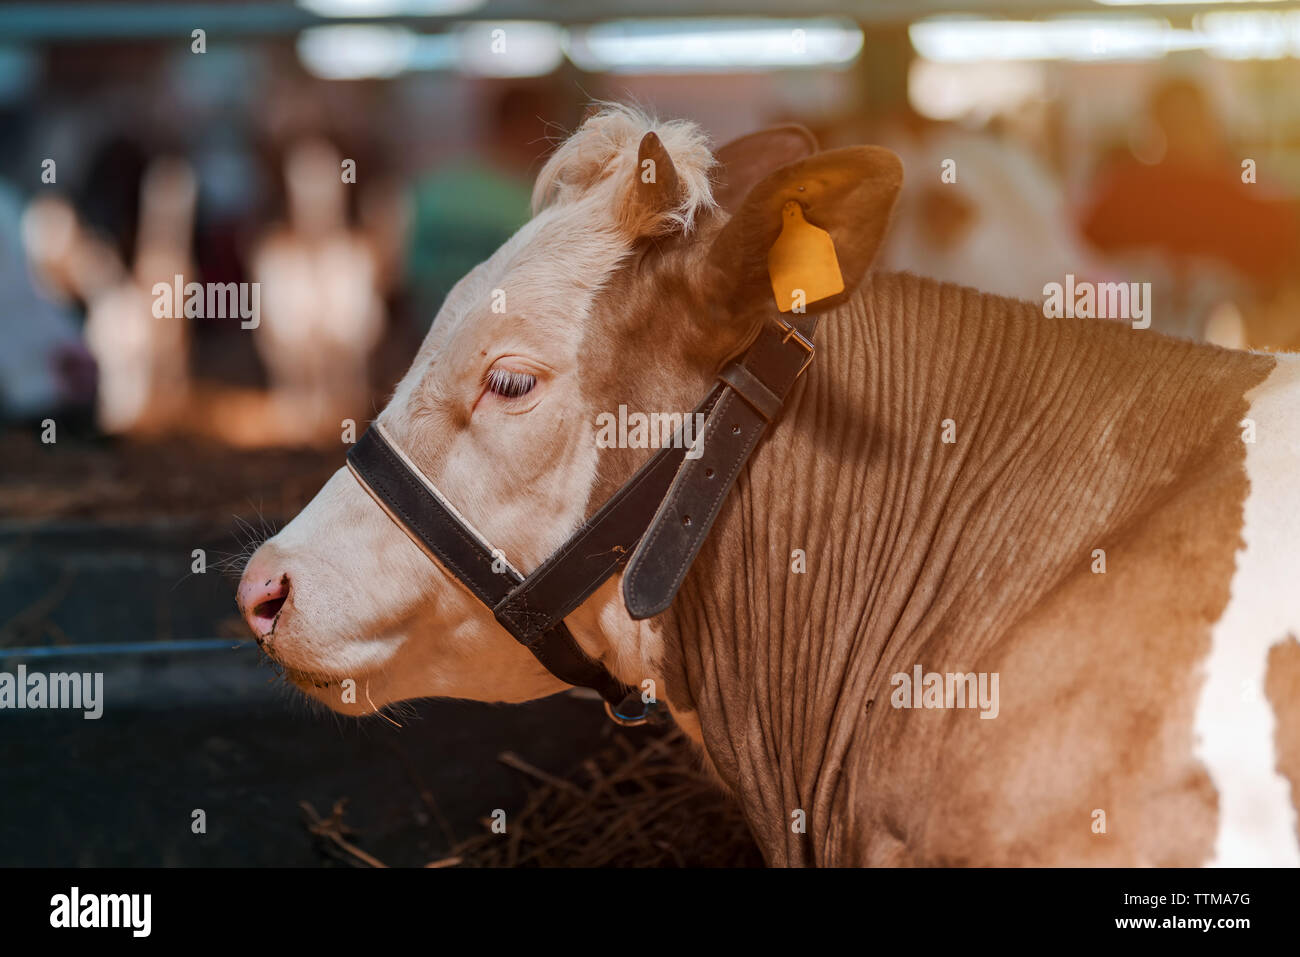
[(802, 262)]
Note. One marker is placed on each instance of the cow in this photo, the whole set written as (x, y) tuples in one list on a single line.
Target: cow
[(1091, 524), (324, 312), (144, 358), (982, 212), (44, 366)]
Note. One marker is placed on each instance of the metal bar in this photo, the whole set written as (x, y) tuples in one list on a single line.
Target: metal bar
[(84, 21), (126, 648)]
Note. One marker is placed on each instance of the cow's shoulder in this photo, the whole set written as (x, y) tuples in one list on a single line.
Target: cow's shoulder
[(1092, 758)]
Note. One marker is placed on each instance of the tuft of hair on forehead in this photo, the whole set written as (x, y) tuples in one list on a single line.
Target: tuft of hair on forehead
[(601, 158)]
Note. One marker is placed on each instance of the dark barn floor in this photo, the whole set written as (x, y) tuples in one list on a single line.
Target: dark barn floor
[(95, 553)]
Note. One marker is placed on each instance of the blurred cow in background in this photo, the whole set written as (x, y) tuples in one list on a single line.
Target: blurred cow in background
[(320, 294), (144, 359), (43, 365), (983, 213)]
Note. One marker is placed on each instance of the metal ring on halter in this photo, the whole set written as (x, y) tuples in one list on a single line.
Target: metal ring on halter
[(633, 711)]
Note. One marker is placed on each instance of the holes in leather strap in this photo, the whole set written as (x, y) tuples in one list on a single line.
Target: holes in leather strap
[(686, 520)]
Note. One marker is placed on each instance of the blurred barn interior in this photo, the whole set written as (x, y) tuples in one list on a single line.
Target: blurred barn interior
[(355, 158)]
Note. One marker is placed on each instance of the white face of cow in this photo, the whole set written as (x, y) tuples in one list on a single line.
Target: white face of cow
[(492, 411), (489, 411), (498, 409)]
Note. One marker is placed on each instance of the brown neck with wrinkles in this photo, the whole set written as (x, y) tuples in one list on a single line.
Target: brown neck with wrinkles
[(919, 551)]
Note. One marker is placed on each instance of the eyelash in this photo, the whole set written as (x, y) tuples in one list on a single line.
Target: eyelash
[(509, 384)]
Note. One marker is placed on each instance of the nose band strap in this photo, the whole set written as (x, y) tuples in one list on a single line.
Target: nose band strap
[(417, 507), (428, 518)]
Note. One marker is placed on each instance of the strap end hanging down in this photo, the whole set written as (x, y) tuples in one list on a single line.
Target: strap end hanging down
[(755, 391), (668, 549)]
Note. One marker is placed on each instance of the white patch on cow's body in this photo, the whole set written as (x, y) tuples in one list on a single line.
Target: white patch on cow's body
[(1235, 726)]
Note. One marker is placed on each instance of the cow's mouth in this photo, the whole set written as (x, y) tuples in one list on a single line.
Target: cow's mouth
[(308, 679), (351, 695)]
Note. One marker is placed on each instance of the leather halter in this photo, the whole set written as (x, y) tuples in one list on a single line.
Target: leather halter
[(655, 523)]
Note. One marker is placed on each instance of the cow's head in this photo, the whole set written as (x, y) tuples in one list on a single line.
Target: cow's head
[(643, 269)]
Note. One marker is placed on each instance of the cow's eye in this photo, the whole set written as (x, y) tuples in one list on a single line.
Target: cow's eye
[(510, 384)]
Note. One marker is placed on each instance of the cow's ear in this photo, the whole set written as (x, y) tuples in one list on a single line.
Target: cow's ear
[(744, 162), (848, 193)]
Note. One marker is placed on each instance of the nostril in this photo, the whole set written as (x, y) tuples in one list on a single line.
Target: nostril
[(269, 608), (262, 601)]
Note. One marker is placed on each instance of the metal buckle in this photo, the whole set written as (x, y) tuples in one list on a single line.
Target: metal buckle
[(792, 333), (641, 712)]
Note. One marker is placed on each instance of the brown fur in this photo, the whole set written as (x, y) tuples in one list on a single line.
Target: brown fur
[(1071, 435)]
